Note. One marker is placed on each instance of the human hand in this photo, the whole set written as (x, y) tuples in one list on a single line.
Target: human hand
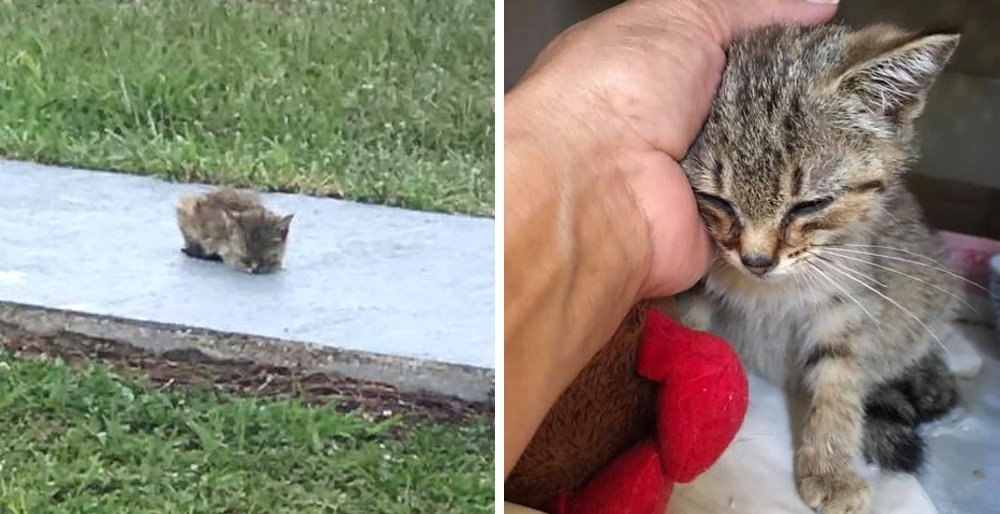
[(597, 211), (618, 98)]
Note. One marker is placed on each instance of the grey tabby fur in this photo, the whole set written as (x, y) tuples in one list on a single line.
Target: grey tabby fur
[(232, 225), (827, 280)]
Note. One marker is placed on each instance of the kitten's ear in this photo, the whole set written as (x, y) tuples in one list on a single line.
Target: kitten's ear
[(893, 70), (283, 225)]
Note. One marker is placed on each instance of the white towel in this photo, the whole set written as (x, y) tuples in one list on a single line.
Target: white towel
[(754, 475)]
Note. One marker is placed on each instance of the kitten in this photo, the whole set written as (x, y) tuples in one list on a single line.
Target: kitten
[(233, 226), (826, 278)]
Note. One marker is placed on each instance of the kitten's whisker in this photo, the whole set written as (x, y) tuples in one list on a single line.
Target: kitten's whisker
[(909, 313), (893, 216), (807, 275), (911, 261), (893, 248), (922, 281), (799, 288), (934, 264), (846, 293), (853, 270)]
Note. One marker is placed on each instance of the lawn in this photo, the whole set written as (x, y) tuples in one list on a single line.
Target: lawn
[(90, 441), (384, 101)]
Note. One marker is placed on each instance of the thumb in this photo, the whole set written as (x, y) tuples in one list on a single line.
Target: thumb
[(680, 248)]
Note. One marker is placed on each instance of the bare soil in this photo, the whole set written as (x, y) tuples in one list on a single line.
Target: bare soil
[(186, 370)]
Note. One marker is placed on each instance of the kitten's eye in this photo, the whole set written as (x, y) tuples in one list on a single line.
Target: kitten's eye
[(802, 209), (705, 199)]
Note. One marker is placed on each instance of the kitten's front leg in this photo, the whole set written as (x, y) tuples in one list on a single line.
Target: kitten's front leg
[(826, 462)]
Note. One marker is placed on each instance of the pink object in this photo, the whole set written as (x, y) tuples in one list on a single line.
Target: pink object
[(969, 256)]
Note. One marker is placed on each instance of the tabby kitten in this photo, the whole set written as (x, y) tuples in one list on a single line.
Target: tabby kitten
[(233, 226), (826, 279)]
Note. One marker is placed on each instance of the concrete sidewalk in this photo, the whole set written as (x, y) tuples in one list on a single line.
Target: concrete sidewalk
[(358, 277)]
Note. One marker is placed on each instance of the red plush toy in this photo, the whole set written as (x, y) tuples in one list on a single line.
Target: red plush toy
[(701, 401)]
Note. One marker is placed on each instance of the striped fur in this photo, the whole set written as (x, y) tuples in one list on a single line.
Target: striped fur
[(827, 279)]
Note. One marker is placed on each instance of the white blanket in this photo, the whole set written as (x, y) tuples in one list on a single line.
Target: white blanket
[(754, 475)]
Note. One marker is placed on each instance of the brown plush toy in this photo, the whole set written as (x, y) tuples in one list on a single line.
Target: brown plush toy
[(658, 405), (604, 412)]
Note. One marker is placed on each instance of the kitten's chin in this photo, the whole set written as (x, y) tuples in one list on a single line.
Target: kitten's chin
[(736, 277)]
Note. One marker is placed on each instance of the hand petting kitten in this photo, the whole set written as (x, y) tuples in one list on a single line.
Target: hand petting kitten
[(597, 212)]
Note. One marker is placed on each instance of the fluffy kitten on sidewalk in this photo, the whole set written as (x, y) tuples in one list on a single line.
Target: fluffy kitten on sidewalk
[(233, 226), (827, 280)]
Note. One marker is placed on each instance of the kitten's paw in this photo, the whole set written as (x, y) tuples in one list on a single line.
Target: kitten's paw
[(843, 493), (197, 253)]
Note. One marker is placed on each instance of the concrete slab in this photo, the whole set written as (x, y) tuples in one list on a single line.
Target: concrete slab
[(358, 277)]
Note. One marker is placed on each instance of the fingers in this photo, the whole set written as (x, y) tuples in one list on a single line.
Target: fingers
[(747, 14), (725, 19)]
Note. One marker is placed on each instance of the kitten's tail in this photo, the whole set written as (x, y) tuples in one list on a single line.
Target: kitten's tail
[(891, 440), (894, 410)]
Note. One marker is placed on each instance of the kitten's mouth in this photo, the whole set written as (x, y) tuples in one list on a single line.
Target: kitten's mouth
[(752, 271), (747, 274), (772, 274), (763, 277)]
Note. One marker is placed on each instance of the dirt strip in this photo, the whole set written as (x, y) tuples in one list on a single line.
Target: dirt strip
[(185, 369)]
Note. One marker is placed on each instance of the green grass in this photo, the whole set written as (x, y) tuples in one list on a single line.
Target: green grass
[(386, 101), (88, 441)]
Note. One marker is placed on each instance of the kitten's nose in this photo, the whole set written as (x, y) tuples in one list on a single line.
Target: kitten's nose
[(757, 264)]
